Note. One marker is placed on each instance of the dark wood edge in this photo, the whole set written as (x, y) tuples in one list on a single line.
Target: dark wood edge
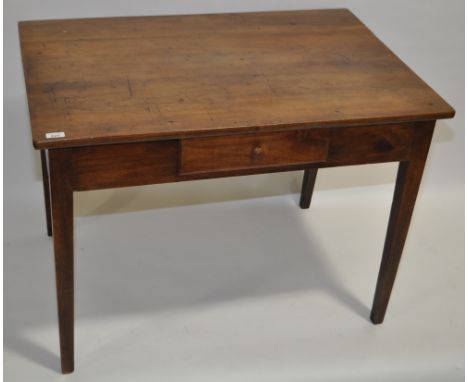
[(261, 169), (80, 142)]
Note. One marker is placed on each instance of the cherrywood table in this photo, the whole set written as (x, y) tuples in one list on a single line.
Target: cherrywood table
[(130, 101)]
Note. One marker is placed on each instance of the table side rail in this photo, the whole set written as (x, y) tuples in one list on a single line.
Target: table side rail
[(134, 164)]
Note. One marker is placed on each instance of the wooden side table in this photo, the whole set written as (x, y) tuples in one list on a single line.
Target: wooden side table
[(130, 101)]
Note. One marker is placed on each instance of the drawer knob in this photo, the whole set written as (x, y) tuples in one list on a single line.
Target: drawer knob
[(257, 152)]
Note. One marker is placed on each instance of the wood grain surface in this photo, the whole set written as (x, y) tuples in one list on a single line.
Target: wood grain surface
[(116, 80)]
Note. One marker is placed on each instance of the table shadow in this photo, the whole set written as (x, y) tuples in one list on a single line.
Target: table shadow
[(168, 259)]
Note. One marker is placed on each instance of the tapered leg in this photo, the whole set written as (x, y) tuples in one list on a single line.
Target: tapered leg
[(62, 221), (308, 183), (406, 190), (45, 184)]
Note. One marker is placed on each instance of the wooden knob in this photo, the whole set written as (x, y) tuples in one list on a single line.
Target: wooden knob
[(257, 153), (257, 150)]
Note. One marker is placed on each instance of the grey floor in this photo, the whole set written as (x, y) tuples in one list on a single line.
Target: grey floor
[(239, 289)]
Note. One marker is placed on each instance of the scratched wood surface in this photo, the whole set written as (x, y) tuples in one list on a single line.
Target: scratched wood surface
[(113, 80)]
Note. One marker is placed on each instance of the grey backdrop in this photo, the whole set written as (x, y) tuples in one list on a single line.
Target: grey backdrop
[(427, 35)]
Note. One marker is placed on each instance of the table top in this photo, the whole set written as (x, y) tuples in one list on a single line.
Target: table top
[(127, 79)]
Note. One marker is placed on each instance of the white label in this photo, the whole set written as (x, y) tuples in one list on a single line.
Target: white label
[(57, 134)]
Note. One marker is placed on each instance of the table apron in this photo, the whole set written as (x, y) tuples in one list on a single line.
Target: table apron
[(141, 163)]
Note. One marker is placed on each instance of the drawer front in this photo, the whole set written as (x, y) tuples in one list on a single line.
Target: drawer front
[(265, 150)]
